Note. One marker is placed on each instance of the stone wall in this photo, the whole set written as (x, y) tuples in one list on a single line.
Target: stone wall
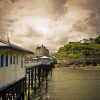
[(78, 62)]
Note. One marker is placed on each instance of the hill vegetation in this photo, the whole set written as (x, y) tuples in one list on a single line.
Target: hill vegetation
[(80, 53), (79, 50)]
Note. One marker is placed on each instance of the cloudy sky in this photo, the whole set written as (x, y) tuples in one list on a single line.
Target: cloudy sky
[(53, 23)]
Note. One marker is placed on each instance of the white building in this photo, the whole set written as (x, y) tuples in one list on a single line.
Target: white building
[(12, 67), (91, 40)]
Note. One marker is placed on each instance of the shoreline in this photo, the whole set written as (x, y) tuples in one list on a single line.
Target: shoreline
[(90, 68), (81, 68)]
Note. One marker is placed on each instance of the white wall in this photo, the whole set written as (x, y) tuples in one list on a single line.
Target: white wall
[(12, 72)]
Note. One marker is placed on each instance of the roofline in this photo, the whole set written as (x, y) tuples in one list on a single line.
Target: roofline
[(15, 47)]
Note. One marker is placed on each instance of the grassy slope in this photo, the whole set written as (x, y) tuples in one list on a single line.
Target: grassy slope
[(77, 50)]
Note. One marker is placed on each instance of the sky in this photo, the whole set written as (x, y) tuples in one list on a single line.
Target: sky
[(53, 23)]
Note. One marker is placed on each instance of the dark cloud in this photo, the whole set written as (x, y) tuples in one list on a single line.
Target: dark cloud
[(94, 23), (13, 1), (93, 5), (84, 4), (91, 24), (94, 17), (59, 7), (80, 26)]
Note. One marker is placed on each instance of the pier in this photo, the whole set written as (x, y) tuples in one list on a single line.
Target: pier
[(34, 77), (18, 76)]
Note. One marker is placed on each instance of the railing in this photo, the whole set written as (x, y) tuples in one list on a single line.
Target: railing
[(15, 91), (32, 64), (45, 63)]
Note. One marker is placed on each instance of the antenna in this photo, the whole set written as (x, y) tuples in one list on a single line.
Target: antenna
[(8, 38)]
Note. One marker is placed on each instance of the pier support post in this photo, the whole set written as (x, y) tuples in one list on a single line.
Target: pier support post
[(35, 79), (39, 76), (32, 78), (28, 84)]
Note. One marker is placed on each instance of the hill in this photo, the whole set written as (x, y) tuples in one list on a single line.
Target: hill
[(79, 54)]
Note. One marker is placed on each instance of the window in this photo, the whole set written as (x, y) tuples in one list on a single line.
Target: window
[(2, 60), (17, 59), (21, 63), (13, 59), (10, 59), (6, 59)]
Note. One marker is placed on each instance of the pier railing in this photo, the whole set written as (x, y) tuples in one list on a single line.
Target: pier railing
[(32, 64)]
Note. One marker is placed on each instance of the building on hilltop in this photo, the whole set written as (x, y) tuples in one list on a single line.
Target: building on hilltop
[(41, 51), (90, 41)]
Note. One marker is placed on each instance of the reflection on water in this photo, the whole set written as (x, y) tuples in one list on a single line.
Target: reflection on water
[(73, 84), (42, 91)]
